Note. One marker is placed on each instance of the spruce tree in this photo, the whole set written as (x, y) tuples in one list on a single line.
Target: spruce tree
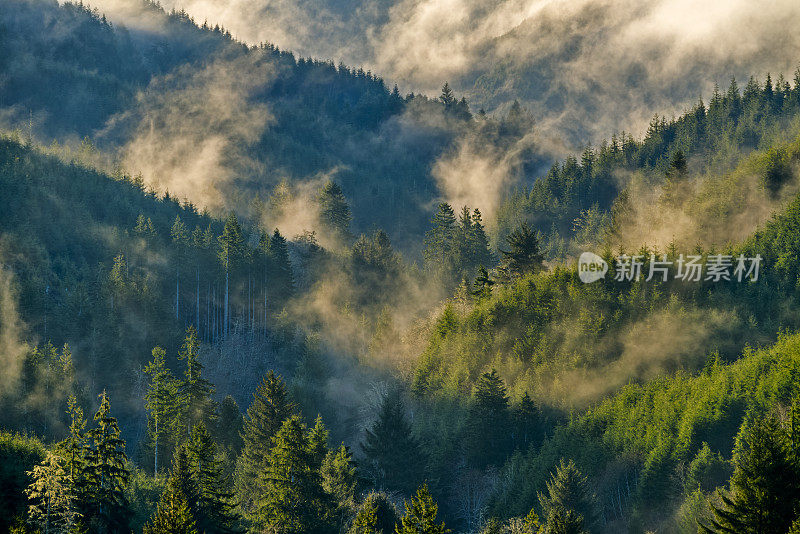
[(339, 480), (420, 516), (282, 283), (215, 503), (334, 211), (527, 424), (365, 520), (293, 499), (53, 503), (194, 391), (74, 450), (523, 254), (479, 242), (568, 491), (447, 97), (231, 250), (488, 430), (182, 481), (265, 416), (392, 453), (439, 244), (482, 286), (375, 515), (172, 515), (161, 401), (765, 487), (107, 473), (563, 521), (180, 241)]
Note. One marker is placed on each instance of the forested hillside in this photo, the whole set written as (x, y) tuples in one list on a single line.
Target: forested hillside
[(244, 291), (153, 99)]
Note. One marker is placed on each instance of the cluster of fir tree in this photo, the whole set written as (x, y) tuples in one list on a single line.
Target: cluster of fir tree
[(285, 476), (656, 453), (712, 137), (324, 114), (525, 317)]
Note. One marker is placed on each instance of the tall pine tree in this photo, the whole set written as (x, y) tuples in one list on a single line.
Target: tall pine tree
[(271, 406)]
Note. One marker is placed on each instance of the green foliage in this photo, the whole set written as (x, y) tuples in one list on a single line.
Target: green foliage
[(765, 486), (18, 456), (455, 248), (569, 503), (339, 480), (523, 254), (488, 437), (194, 392), (421, 515), (271, 406), (375, 515), (52, 495), (172, 516), (561, 521), (334, 211), (161, 402), (293, 499), (393, 456), (214, 502), (104, 506)]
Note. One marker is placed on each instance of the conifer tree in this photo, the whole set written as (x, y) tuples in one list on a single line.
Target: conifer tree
[(439, 244), (271, 406), (393, 455), (180, 240), (172, 516), (563, 521), (568, 492), (107, 472), (318, 443), (765, 486), (420, 516), (523, 255), (479, 242), (182, 481), (73, 450), (293, 499), (281, 275), (339, 480), (52, 496), (215, 502), (334, 211), (231, 244), (375, 515), (482, 286), (161, 401), (487, 439), (194, 391), (447, 97), (366, 520), (527, 423)]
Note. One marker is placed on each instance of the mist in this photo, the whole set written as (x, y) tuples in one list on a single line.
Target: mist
[(12, 348), (585, 68), (189, 131)]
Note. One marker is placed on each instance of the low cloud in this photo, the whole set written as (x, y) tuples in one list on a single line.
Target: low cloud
[(190, 130)]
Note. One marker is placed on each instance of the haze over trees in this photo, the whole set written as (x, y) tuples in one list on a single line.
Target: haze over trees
[(324, 341)]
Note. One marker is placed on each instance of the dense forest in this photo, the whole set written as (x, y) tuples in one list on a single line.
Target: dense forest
[(246, 291)]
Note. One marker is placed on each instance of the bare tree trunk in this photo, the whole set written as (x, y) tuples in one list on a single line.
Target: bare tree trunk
[(197, 302), (177, 292), (225, 326)]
